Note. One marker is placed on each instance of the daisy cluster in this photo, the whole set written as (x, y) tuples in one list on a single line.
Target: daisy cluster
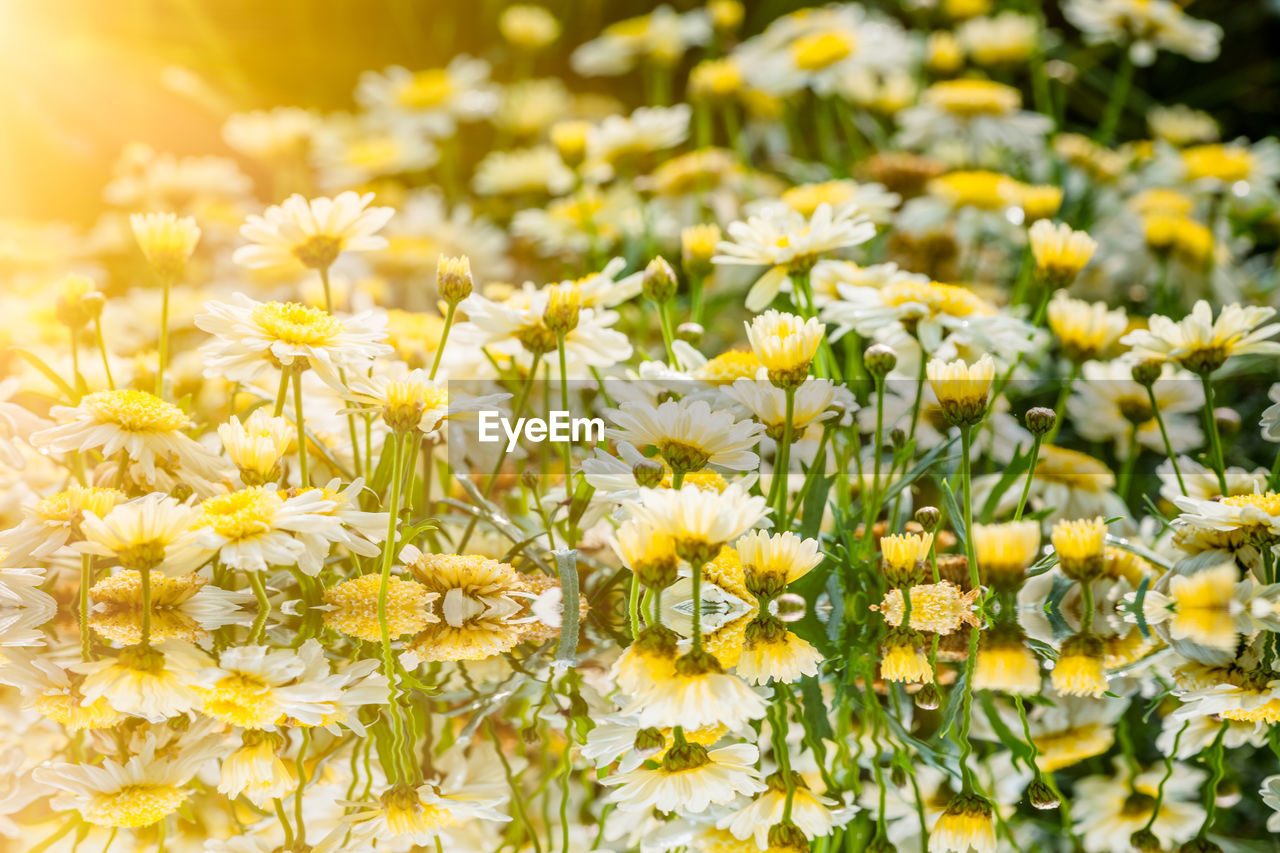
[(936, 507)]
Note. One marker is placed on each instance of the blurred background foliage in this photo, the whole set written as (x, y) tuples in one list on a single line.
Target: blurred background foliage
[(79, 79)]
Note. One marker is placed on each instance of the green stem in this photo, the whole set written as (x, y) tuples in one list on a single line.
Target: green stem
[(1168, 774), (817, 467), (300, 767), (1036, 441), (966, 719), (633, 606), (75, 356), (1164, 436), (1116, 102), (264, 607), (966, 444), (86, 581), (166, 284), (1132, 452), (782, 467), (1214, 760), (1211, 427), (444, 336), (328, 295), (697, 605), (282, 391), (145, 576), (566, 448), (1060, 405), (102, 348), (300, 423)]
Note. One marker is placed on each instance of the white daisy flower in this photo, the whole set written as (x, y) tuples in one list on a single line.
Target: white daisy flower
[(150, 532), (1202, 344), (816, 400), (515, 327), (700, 521), (1108, 402), (24, 608), (1146, 26), (257, 687), (688, 435), (154, 683), (433, 100), (256, 528), (140, 792), (49, 524), (313, 232), (810, 812), (690, 780), (250, 337), (141, 427), (786, 242)]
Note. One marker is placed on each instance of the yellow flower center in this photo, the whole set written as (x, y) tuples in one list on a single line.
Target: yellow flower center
[(242, 700), (1268, 713), (135, 411), (67, 709), (1268, 503), (1227, 163), (296, 324), (427, 89), (242, 514), (706, 480), (66, 506), (983, 190), (134, 805), (373, 152), (949, 299), (969, 98), (728, 366), (817, 51), (356, 603)]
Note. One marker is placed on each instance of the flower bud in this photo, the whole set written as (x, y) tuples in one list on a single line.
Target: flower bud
[(563, 306), (1199, 845), (787, 836), (697, 247), (1040, 420), (929, 698), (1145, 373), (529, 479), (880, 360), (453, 278), (78, 302), (928, 518), (659, 281), (570, 140), (1041, 795), (649, 741), (1145, 841), (648, 473)]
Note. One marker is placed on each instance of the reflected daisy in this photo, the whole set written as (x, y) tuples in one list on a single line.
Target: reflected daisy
[(140, 792), (689, 780)]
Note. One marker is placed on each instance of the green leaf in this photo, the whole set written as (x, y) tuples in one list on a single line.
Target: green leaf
[(49, 373)]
